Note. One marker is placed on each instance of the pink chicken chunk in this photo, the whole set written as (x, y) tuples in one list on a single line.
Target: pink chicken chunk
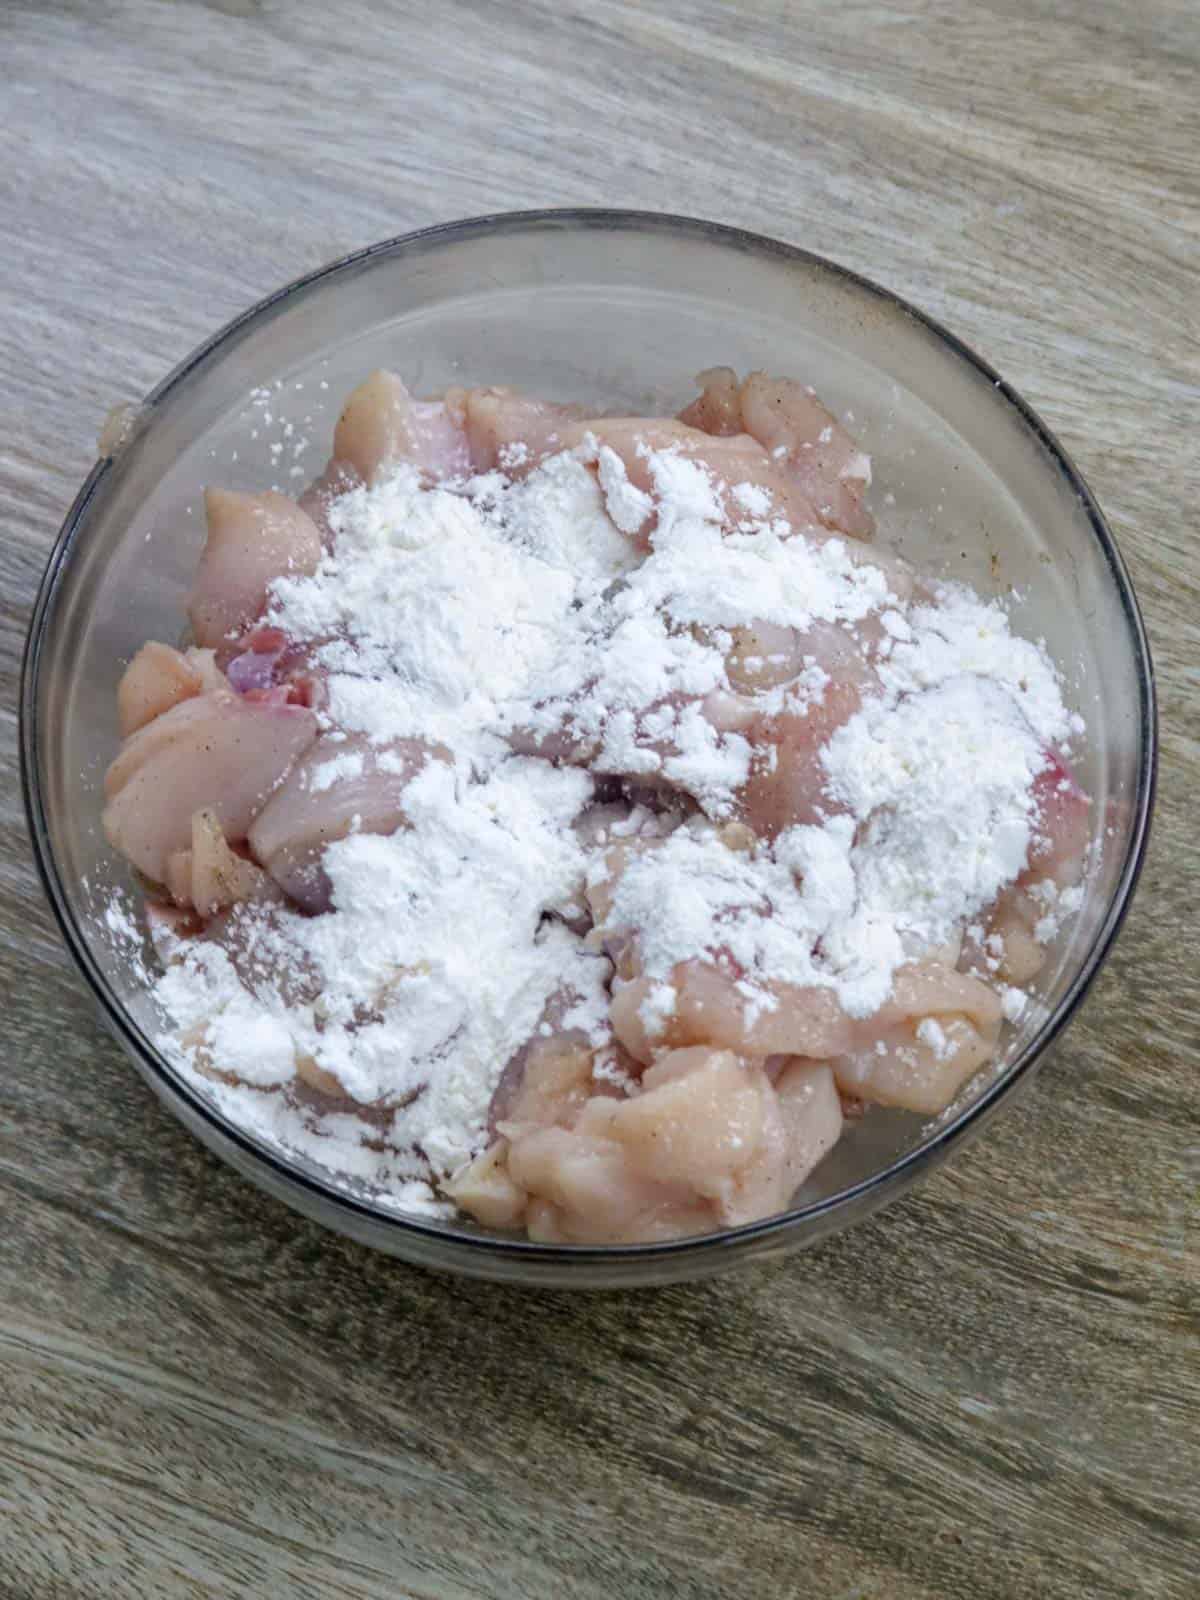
[(253, 539), (806, 441), (382, 427), (937, 1029), (511, 430), (708, 1141), (1012, 950), (214, 751), (339, 783), (158, 678)]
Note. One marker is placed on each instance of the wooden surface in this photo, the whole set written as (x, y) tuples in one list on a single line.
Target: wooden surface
[(992, 1389)]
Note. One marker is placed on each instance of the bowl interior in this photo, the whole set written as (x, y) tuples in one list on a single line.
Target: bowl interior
[(620, 311)]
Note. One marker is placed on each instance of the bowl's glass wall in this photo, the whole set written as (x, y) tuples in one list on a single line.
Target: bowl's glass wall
[(621, 311)]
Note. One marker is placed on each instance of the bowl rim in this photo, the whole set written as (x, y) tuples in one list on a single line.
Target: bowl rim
[(879, 1185)]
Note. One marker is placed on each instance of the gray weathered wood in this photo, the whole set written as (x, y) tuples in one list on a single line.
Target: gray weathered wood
[(990, 1390)]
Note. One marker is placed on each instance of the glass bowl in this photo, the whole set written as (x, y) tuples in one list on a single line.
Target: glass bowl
[(620, 309)]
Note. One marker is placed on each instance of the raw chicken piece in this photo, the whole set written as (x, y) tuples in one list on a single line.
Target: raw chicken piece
[(721, 1091), (511, 430), (787, 783), (255, 935), (339, 784), (718, 407), (1012, 949), (656, 729), (764, 655), (252, 540), (706, 1142), (545, 1085), (215, 751), (562, 743), (697, 1123), (804, 1125), (1061, 836), (798, 433), (704, 1005), (210, 876), (812, 1117), (581, 1189), (937, 1029), (604, 876), (338, 479), (484, 1189), (158, 678), (177, 879), (731, 462), (322, 1082), (381, 425)]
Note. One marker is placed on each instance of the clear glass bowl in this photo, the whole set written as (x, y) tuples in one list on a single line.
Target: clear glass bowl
[(619, 309)]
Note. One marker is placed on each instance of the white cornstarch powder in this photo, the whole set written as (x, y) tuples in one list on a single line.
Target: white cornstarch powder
[(517, 630)]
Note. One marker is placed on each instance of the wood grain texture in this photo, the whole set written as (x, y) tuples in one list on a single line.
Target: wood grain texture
[(989, 1391)]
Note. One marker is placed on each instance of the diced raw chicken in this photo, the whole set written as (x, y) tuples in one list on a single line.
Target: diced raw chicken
[(562, 743), (604, 877), (252, 540), (582, 1189), (338, 478), (706, 1142), (764, 655), (177, 879), (255, 935), (787, 783), (485, 1190), (718, 407), (803, 1123), (511, 430), (158, 678), (936, 1030), (812, 1117), (696, 1123), (731, 462), (767, 656), (547, 1085), (339, 784), (516, 432), (220, 877), (1063, 812), (800, 436), (1012, 950), (210, 876), (718, 1092), (215, 751), (707, 1006), (381, 426), (316, 1078)]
